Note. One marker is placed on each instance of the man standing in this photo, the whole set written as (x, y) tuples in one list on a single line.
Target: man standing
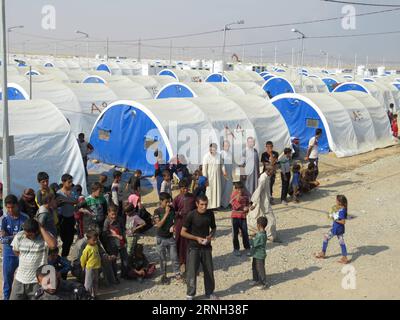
[(251, 166), (261, 206), (86, 149), (31, 245), (212, 171), (270, 158), (66, 202), (199, 228), (312, 151), (11, 224)]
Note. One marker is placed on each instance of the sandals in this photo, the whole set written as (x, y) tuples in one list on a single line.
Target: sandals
[(320, 255)]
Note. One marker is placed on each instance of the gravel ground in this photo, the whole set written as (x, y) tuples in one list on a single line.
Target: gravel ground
[(371, 184)]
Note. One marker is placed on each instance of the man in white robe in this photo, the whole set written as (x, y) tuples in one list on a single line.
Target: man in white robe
[(261, 206), (227, 171), (213, 172)]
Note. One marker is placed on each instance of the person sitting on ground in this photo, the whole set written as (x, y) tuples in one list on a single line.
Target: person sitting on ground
[(140, 268), (27, 203), (132, 226), (62, 265), (308, 179), (62, 290)]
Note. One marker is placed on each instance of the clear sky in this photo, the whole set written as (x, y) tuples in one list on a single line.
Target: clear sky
[(133, 19)]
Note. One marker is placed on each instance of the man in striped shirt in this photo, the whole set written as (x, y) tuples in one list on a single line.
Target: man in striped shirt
[(31, 246)]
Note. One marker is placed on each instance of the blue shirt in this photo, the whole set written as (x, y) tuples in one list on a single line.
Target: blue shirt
[(11, 227), (337, 228), (296, 179)]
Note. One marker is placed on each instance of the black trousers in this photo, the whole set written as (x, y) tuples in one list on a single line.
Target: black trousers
[(258, 267), (285, 185), (272, 182), (240, 224), (85, 161), (315, 161), (67, 231), (195, 257)]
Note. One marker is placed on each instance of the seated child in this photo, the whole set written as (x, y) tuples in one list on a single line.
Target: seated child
[(62, 265), (140, 268)]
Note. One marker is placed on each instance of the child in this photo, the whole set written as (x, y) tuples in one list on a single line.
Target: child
[(240, 203), (117, 192), (338, 229), (258, 252), (166, 185), (134, 183), (184, 203), (27, 203), (395, 127), (164, 220), (133, 224), (43, 180), (62, 265), (308, 178), (115, 242), (195, 180), (106, 189), (45, 215), (97, 204), (284, 163), (202, 184), (296, 182), (140, 266), (91, 263)]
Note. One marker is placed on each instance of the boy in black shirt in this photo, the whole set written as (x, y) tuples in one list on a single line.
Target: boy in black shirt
[(270, 158), (164, 220), (199, 228)]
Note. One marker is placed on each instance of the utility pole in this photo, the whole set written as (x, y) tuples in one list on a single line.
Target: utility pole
[(6, 139), (275, 60), (140, 50), (355, 66), (107, 50), (243, 54), (170, 53), (292, 57)]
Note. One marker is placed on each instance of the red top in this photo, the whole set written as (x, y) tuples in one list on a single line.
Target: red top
[(238, 204), (395, 128)]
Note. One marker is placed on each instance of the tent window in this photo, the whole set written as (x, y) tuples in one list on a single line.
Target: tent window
[(151, 143), (104, 135), (312, 123)]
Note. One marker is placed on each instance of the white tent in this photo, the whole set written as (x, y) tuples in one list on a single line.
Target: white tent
[(43, 142), (352, 123), (252, 88), (124, 88), (228, 89), (183, 126), (93, 98)]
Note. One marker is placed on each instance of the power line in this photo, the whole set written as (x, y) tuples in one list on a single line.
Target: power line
[(364, 3)]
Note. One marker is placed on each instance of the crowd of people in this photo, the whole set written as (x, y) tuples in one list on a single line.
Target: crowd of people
[(104, 229)]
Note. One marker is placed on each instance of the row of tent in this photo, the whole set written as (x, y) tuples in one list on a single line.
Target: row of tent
[(126, 124)]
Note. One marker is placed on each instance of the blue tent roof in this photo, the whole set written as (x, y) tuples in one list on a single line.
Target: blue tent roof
[(15, 94), (103, 67), (277, 85), (302, 120), (397, 85), (350, 86), (268, 76), (116, 133), (167, 72), (368, 80), (175, 90), (49, 65), (216, 77), (330, 83), (94, 79)]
